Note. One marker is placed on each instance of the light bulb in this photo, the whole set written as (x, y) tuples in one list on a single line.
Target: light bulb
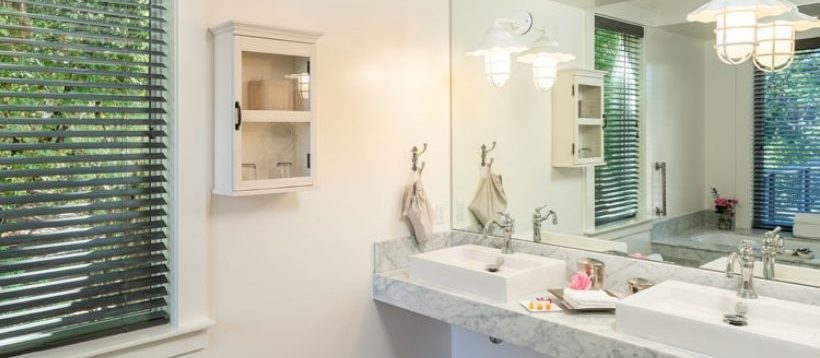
[(497, 67), (544, 71), (735, 35), (775, 46)]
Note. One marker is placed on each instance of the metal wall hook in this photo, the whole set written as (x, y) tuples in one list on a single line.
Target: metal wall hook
[(484, 152), (416, 155)]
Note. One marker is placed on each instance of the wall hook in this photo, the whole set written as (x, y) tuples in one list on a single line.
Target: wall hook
[(484, 152), (416, 155)]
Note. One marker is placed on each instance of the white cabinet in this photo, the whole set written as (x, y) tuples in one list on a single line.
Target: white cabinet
[(264, 121), (578, 119)]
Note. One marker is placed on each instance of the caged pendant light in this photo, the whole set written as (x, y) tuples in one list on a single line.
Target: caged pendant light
[(774, 50), (736, 24), (545, 57), (498, 46)]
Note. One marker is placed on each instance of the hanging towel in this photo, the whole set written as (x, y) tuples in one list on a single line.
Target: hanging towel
[(490, 199), (418, 210)]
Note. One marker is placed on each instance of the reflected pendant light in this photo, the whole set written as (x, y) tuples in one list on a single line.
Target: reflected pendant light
[(302, 82), (774, 50), (736, 24), (544, 57), (497, 47)]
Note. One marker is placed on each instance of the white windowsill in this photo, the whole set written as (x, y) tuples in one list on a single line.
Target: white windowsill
[(162, 335), (627, 227)]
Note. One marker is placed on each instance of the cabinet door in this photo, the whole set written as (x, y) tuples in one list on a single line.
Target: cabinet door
[(274, 132)]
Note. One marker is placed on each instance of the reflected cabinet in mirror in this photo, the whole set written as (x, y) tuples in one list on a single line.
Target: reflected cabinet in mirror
[(618, 129)]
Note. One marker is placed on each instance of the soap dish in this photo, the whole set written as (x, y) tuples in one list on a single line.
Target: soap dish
[(554, 307), (559, 293)]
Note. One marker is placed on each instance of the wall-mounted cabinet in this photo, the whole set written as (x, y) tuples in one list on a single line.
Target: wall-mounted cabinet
[(578, 119), (265, 127)]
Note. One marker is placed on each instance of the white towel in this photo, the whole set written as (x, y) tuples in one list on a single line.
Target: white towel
[(586, 299), (418, 210), (490, 199)]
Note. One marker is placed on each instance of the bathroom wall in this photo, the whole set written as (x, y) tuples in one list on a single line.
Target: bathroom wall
[(290, 275)]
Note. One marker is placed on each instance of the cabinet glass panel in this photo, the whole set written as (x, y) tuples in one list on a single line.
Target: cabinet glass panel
[(273, 82), (589, 141), (275, 150), (589, 101)]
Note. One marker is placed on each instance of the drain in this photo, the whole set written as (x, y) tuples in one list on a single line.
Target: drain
[(736, 320), (493, 268)]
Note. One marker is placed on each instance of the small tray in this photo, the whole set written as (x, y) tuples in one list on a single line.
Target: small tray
[(555, 307), (559, 293)]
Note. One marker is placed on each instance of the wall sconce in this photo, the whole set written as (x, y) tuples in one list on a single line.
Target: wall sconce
[(498, 45), (736, 28), (302, 82), (544, 57), (774, 50)]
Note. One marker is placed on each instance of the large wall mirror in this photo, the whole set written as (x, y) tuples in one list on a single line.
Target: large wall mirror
[(695, 155)]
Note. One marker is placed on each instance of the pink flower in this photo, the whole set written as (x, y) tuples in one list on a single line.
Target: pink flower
[(580, 281)]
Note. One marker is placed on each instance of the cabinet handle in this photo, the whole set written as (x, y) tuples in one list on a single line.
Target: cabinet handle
[(573, 148), (238, 115)]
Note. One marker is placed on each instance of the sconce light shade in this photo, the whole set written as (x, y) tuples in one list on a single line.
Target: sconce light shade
[(774, 50), (544, 57), (736, 27), (496, 48)]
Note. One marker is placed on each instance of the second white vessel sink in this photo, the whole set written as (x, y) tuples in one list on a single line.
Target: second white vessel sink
[(690, 316), (465, 269)]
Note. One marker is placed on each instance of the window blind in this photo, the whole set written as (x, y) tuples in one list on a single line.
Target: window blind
[(787, 140), (618, 49), (83, 197)]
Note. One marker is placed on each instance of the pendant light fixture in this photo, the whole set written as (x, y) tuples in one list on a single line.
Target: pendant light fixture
[(498, 45), (774, 50), (544, 57), (736, 24)]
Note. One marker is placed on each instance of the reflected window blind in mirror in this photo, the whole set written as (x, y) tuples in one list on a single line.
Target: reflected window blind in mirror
[(787, 139), (618, 48), (83, 161)]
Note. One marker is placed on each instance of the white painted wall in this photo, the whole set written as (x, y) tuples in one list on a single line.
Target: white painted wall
[(476, 345), (674, 116), (290, 275)]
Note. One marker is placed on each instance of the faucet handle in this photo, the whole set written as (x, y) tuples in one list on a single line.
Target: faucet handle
[(746, 250), (506, 218), (538, 209)]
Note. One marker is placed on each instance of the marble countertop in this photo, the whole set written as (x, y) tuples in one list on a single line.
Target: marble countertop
[(558, 334)]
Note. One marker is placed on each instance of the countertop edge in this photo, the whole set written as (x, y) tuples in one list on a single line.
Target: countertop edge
[(547, 335)]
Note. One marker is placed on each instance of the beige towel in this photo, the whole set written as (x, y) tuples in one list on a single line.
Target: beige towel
[(417, 209), (490, 199)]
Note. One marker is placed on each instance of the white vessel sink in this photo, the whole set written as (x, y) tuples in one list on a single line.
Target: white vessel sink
[(787, 273), (464, 269), (691, 317)]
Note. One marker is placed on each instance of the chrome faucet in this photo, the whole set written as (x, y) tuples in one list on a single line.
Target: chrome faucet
[(538, 219), (507, 224), (771, 246), (745, 257)]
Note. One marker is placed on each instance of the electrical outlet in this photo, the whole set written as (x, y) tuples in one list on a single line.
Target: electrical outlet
[(441, 215), (461, 212)]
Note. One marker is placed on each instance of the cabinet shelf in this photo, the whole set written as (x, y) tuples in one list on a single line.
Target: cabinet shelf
[(269, 116)]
